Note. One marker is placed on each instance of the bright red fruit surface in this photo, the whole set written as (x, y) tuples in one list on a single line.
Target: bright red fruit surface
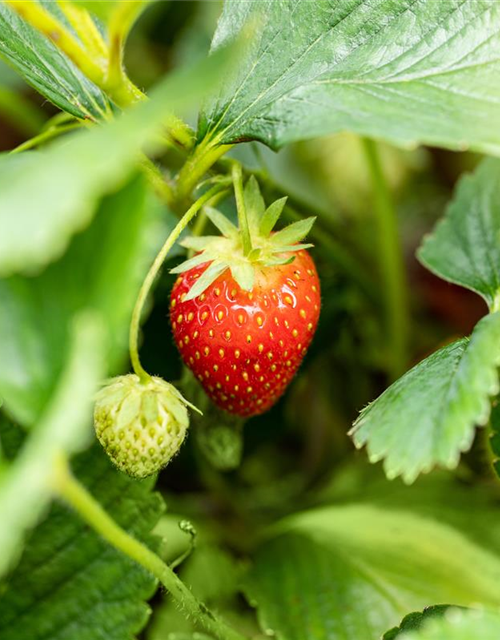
[(245, 347)]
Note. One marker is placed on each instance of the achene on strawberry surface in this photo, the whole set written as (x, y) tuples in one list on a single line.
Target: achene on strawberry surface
[(245, 346)]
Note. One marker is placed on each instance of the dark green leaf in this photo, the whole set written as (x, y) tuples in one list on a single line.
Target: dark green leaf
[(102, 270), (427, 417), (407, 71), (415, 621), (47, 70), (459, 625), (352, 572), (70, 583), (465, 246)]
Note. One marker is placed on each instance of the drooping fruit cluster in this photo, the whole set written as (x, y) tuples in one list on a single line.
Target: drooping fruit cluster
[(141, 425), (243, 323)]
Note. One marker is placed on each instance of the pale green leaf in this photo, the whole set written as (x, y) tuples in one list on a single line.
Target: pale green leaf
[(352, 572), (47, 196), (48, 70), (271, 216), (102, 270), (427, 417), (72, 584), (459, 625), (465, 246), (26, 486), (407, 71)]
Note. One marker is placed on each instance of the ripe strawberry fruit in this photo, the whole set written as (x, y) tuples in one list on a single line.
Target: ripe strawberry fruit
[(244, 323)]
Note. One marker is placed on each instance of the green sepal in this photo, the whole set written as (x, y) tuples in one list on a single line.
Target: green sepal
[(198, 243), (254, 203), (223, 224), (209, 276), (192, 263), (271, 216), (295, 232), (244, 274)]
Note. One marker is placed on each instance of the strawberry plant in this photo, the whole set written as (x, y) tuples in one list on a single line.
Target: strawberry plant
[(239, 241)]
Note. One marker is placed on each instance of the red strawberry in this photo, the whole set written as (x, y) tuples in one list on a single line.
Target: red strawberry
[(243, 321)]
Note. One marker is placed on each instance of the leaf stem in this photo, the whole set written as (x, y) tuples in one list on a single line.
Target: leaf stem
[(86, 29), (153, 272), (89, 509), (237, 176), (47, 135), (391, 264)]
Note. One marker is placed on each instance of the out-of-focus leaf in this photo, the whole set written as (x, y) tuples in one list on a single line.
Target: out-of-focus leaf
[(409, 72), (102, 270), (350, 572), (47, 196), (427, 417), (70, 583), (46, 69), (415, 621), (26, 486), (465, 246), (459, 625)]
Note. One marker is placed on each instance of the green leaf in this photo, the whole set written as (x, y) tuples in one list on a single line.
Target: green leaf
[(25, 487), (427, 417), (195, 261), (70, 583), (409, 72), (465, 246), (102, 270), (271, 216), (48, 70), (351, 572), (459, 625), (415, 621), (46, 197)]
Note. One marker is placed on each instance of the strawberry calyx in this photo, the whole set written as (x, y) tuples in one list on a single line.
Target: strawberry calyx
[(269, 248)]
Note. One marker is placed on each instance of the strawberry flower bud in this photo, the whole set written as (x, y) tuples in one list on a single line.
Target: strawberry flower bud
[(141, 425)]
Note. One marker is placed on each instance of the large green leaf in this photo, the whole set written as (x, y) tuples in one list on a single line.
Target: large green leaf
[(415, 621), (407, 71), (70, 583), (102, 270), (46, 69), (465, 246), (47, 196), (459, 625), (26, 485), (427, 417), (351, 572)]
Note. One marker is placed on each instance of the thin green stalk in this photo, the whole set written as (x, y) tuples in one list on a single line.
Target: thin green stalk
[(391, 264), (72, 492), (153, 272), (47, 135), (162, 188), (237, 175), (202, 159)]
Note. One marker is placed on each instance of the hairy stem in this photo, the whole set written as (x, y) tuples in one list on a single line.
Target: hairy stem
[(391, 264), (237, 175), (72, 492), (153, 272)]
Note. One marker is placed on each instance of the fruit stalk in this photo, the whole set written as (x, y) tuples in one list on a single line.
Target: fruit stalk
[(76, 495), (153, 272)]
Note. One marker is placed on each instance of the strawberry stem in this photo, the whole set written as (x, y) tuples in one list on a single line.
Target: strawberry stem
[(240, 206), (153, 272)]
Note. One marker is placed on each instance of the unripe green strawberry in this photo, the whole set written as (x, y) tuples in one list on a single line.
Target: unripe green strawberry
[(141, 425)]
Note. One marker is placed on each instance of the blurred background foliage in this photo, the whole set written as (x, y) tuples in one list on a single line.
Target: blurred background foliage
[(298, 454)]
